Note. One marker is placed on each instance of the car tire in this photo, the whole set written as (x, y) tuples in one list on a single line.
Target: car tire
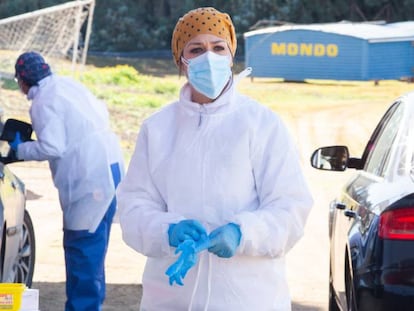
[(25, 261)]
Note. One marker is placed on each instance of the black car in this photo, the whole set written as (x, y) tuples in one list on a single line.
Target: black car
[(371, 223)]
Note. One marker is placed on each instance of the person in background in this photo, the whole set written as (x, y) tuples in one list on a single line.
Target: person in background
[(73, 134), (216, 176)]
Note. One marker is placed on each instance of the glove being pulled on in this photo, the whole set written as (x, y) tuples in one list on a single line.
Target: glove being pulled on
[(16, 142), (187, 259), (224, 240), (185, 230)]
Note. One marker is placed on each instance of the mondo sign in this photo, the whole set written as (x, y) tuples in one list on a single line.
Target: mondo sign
[(304, 49)]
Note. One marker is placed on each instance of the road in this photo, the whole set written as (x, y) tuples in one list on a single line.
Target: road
[(307, 263)]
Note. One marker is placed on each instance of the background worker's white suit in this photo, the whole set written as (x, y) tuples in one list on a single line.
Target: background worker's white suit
[(84, 155), (73, 134)]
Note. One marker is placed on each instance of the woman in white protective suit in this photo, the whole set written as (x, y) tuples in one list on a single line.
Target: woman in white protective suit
[(73, 134), (214, 195)]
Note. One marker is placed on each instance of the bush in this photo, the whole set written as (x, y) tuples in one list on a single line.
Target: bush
[(124, 85)]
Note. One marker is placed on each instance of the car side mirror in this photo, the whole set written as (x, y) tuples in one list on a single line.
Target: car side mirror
[(333, 158), (8, 132), (12, 126)]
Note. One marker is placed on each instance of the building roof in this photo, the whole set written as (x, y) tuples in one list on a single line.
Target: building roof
[(370, 31)]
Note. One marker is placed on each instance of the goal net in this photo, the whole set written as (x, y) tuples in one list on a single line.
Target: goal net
[(55, 32)]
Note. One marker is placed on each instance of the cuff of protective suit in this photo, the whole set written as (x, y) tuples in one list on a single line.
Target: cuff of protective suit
[(242, 242), (16, 152), (166, 248), (253, 233)]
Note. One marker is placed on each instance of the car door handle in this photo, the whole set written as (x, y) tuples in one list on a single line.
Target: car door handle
[(350, 214), (340, 205)]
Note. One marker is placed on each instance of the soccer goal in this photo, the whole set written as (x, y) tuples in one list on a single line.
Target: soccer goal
[(55, 32)]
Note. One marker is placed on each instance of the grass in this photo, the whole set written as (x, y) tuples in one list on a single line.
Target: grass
[(125, 86), (135, 88)]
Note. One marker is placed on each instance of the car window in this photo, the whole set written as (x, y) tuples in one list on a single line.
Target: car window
[(382, 142), (412, 167), (405, 151)]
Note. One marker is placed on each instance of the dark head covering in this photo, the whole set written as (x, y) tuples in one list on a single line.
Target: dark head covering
[(31, 68)]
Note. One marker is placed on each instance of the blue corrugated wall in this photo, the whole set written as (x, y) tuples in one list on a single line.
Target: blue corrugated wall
[(390, 60), (305, 54)]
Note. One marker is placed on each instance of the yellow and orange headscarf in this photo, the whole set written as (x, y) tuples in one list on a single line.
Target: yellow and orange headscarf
[(202, 21)]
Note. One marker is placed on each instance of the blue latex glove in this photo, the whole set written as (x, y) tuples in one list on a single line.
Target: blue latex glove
[(188, 229), (188, 258), (16, 142), (224, 240)]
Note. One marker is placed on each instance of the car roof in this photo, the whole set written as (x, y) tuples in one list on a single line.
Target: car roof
[(408, 100)]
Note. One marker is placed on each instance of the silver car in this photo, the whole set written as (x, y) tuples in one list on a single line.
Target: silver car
[(17, 244)]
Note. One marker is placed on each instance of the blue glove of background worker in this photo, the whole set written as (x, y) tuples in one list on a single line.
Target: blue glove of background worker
[(16, 142), (224, 240), (184, 230)]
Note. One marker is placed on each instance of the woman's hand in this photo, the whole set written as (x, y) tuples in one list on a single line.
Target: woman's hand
[(224, 240), (185, 230)]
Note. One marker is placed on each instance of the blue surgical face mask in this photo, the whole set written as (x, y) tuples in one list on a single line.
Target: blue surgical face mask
[(209, 73)]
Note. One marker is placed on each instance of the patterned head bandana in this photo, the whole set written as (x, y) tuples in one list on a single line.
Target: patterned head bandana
[(202, 21), (31, 68)]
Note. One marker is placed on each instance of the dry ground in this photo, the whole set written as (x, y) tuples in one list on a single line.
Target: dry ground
[(307, 262)]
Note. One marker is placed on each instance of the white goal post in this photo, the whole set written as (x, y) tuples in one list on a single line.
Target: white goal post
[(54, 32)]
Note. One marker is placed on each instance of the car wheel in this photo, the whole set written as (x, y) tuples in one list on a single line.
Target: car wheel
[(25, 261)]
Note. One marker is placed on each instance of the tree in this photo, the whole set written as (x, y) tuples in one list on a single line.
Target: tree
[(131, 25)]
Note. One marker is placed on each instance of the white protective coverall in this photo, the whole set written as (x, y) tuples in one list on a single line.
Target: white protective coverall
[(227, 161), (73, 134)]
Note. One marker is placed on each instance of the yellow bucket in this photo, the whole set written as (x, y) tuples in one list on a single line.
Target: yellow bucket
[(11, 296)]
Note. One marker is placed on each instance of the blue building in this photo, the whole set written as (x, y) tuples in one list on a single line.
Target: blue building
[(333, 51)]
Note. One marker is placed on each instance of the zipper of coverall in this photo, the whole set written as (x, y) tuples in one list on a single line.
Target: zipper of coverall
[(235, 80), (202, 110)]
